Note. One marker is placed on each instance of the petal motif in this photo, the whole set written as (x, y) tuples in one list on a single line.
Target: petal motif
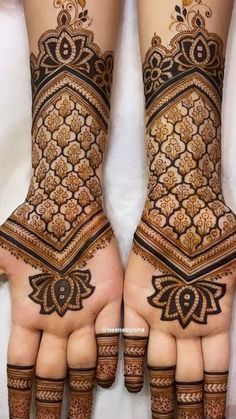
[(61, 293), (185, 302)]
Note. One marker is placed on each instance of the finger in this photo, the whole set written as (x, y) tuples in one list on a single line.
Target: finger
[(161, 359), (22, 352), (108, 320), (51, 369), (19, 383), (82, 358), (108, 351), (216, 363), (189, 379), (135, 346)]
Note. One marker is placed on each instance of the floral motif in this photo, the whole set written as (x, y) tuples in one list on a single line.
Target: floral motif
[(80, 17), (69, 48), (104, 73), (61, 293), (156, 70), (186, 302)]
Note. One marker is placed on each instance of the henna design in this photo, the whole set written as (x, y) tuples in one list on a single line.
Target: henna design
[(81, 393), (19, 391), (108, 351), (215, 393), (49, 394), (62, 224), (61, 293), (186, 302), (187, 231), (134, 354), (81, 18), (161, 382), (189, 400)]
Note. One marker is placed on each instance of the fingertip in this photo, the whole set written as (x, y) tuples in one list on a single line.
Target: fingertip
[(108, 351)]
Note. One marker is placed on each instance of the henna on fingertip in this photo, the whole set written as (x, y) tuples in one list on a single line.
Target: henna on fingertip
[(108, 352), (189, 397), (19, 383), (134, 356), (81, 383), (48, 397), (215, 394), (162, 380)]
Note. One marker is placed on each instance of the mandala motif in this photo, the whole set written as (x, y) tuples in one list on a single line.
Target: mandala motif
[(61, 223), (60, 294), (186, 302)]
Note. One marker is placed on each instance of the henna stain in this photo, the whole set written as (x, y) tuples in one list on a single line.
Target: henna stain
[(187, 231), (61, 224)]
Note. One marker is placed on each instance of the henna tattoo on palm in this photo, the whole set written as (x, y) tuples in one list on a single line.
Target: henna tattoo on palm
[(61, 224), (187, 230)]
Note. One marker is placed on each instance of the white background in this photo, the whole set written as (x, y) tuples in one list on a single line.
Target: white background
[(125, 171)]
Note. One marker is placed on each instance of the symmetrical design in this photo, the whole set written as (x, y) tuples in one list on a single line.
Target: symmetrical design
[(186, 302), (189, 400), (134, 354), (162, 391), (19, 391), (61, 224), (215, 393), (81, 393), (186, 227), (49, 394), (108, 351), (60, 294)]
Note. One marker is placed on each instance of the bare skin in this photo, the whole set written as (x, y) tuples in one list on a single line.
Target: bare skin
[(52, 343), (193, 348)]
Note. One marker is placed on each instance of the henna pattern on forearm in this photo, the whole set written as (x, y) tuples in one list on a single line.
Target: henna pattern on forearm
[(134, 355), (161, 382), (19, 383), (81, 393), (189, 400), (61, 224), (48, 397), (187, 230), (108, 351), (215, 393)]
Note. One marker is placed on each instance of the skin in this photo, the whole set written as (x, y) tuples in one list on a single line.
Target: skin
[(71, 339), (198, 347)]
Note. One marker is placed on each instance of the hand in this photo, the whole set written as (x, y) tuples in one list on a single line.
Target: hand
[(180, 278), (48, 335), (57, 248), (178, 350)]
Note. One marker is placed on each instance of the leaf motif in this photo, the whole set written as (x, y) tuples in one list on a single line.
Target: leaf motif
[(177, 9), (82, 3)]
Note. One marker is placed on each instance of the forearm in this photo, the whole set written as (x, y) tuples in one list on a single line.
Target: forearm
[(183, 80), (71, 87)]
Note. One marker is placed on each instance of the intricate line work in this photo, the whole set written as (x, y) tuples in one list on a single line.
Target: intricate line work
[(134, 354), (80, 18), (187, 231), (61, 293), (161, 382), (186, 302), (19, 391), (62, 224), (49, 394), (81, 393), (189, 400), (108, 351), (215, 393)]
